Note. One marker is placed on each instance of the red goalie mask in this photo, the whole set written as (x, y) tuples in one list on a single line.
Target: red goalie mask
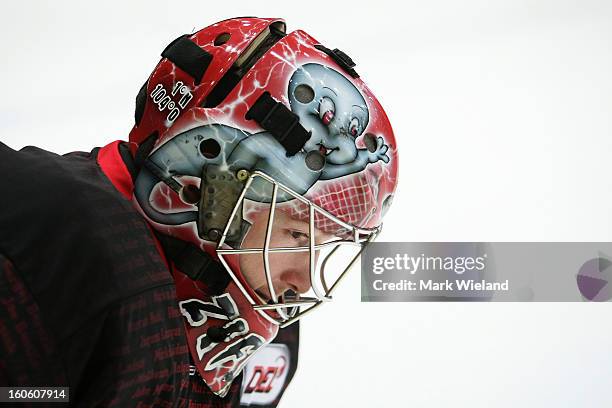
[(266, 151)]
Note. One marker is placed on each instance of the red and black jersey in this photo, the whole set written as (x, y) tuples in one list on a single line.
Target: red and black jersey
[(86, 297)]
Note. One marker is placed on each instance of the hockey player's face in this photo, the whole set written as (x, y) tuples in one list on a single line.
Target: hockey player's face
[(289, 270)]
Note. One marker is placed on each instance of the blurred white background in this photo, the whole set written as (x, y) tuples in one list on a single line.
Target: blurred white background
[(502, 114)]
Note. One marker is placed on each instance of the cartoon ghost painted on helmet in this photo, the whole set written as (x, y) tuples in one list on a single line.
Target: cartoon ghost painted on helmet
[(328, 105), (335, 112)]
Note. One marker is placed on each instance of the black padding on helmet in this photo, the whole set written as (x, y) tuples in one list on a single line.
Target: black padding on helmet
[(128, 160), (141, 100), (195, 263), (188, 56), (233, 76), (341, 59), (277, 119), (144, 149), (162, 175)]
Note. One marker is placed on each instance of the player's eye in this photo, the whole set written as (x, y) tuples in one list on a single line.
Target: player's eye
[(327, 110), (299, 235), (354, 127)]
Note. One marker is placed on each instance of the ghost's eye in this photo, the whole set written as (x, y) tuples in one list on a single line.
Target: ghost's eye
[(327, 110), (354, 127)]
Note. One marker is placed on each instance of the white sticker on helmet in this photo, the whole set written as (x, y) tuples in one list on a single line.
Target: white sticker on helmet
[(265, 375)]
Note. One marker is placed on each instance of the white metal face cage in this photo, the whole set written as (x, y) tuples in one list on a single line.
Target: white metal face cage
[(286, 310)]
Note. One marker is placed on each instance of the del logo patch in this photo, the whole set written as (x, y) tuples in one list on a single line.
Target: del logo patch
[(265, 375)]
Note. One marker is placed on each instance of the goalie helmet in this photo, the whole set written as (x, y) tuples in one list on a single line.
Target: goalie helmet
[(266, 151)]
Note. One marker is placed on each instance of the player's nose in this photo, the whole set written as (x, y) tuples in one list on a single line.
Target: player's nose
[(299, 277), (302, 282)]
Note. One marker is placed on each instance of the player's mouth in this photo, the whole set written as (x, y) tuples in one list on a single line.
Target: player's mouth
[(265, 297), (326, 151), (290, 293)]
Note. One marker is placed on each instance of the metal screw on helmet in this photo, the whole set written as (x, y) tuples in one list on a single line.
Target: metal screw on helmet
[(214, 234), (242, 174)]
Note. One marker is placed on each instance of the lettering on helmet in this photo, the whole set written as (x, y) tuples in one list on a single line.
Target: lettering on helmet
[(164, 99), (197, 311), (236, 353), (232, 329), (222, 307)]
